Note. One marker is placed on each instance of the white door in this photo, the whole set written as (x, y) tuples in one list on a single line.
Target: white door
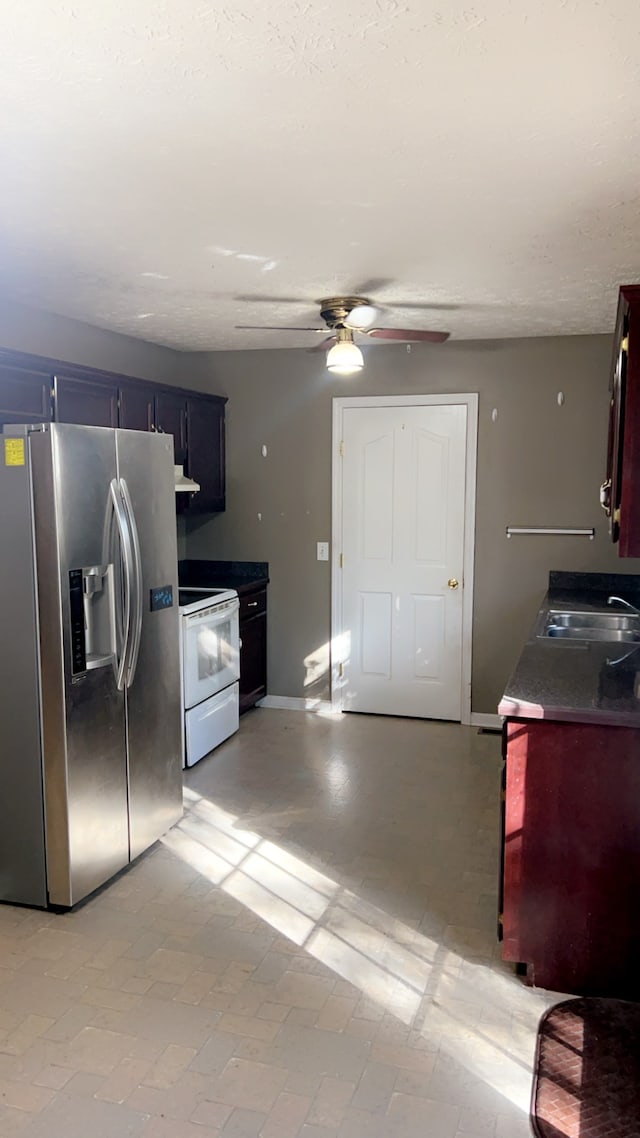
[(403, 518)]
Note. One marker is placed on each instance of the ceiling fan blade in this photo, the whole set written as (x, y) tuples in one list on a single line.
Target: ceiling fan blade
[(407, 334), (322, 347), (261, 298), (372, 286), (418, 306), (277, 328)]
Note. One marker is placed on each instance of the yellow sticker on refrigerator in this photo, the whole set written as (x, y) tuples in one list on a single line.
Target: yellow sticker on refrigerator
[(14, 452)]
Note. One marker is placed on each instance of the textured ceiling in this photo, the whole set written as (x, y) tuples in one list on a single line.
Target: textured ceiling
[(172, 168)]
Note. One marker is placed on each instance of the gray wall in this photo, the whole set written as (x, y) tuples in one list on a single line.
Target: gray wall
[(26, 329), (539, 464)]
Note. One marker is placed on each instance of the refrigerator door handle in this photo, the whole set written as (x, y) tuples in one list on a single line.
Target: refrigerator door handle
[(120, 660), (137, 592)]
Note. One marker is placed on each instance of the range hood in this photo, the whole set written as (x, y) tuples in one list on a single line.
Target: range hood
[(182, 483)]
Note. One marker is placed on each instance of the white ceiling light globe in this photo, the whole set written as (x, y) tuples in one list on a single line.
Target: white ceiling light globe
[(361, 317), (345, 358)]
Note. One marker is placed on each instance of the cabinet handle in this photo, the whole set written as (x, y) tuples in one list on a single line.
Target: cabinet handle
[(252, 605)]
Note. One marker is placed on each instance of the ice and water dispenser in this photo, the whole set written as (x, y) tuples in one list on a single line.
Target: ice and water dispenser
[(92, 614)]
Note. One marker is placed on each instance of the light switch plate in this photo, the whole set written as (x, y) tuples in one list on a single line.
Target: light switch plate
[(322, 551)]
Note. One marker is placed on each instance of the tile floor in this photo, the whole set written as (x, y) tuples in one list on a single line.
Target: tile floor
[(310, 953)]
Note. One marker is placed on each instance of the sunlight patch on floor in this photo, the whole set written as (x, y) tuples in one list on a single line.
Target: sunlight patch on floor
[(425, 985), (358, 941), (495, 1047)]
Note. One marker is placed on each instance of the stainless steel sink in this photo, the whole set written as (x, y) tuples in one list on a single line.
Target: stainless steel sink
[(602, 626), (606, 620), (607, 635)]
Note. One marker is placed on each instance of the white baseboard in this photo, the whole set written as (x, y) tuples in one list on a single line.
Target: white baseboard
[(291, 703), (482, 719)]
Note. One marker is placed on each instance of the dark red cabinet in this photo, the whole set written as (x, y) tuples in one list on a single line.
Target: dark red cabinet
[(25, 395), (90, 402), (571, 856), (620, 492)]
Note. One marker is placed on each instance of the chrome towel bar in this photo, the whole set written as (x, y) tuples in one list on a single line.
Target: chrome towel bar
[(550, 530)]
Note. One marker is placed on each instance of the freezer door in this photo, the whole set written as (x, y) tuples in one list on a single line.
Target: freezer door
[(145, 472), (83, 713), (22, 854)]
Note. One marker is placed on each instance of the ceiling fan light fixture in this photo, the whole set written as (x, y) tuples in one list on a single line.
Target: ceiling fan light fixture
[(361, 317), (345, 358)]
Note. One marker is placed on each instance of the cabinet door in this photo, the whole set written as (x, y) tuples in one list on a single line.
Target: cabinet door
[(572, 856), (136, 407), (253, 651), (611, 487), (170, 417), (25, 396), (206, 454), (630, 474), (90, 402), (620, 492)]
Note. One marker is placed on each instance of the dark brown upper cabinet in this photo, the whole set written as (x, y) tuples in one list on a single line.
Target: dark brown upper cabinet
[(90, 402), (38, 390), (25, 395), (620, 491), (206, 453), (170, 417), (136, 406)]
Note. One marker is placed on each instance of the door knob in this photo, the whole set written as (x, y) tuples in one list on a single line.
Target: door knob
[(452, 582)]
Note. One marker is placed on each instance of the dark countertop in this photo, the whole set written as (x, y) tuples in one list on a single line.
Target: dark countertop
[(577, 681), (243, 576)]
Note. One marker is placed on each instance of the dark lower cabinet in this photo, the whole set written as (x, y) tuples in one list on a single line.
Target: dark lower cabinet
[(92, 403), (25, 396), (571, 856), (253, 650)]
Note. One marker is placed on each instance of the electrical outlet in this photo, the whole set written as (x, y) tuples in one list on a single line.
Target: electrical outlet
[(322, 551)]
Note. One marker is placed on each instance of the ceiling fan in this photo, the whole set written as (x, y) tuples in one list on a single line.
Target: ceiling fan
[(344, 316)]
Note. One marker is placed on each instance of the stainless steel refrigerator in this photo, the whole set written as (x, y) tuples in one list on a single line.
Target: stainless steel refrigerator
[(90, 730)]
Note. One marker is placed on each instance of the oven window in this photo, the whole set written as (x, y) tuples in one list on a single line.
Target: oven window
[(214, 650), (210, 654)]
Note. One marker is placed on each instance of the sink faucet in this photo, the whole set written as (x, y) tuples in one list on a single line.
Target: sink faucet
[(621, 601)]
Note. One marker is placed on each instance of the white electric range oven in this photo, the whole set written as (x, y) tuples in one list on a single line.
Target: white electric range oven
[(210, 666)]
